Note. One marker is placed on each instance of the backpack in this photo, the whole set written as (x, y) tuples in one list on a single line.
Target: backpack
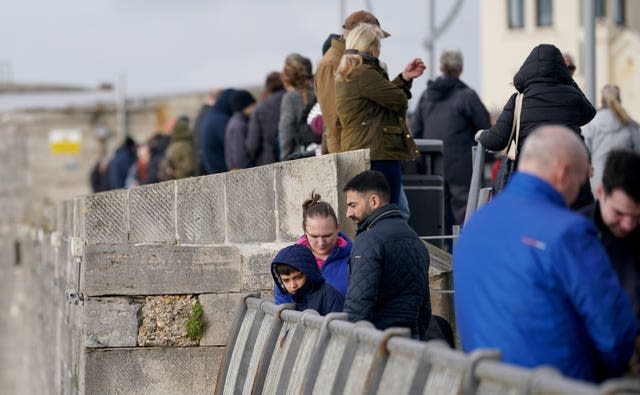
[(305, 134)]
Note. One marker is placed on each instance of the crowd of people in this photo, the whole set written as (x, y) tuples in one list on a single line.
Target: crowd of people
[(548, 272)]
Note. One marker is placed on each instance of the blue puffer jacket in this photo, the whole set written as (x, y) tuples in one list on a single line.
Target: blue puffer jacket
[(315, 294), (212, 134), (532, 280), (335, 268), (388, 284)]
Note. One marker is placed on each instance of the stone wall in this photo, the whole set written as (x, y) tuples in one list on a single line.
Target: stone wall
[(146, 255)]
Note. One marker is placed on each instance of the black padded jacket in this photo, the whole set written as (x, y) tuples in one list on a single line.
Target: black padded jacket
[(388, 280), (550, 97)]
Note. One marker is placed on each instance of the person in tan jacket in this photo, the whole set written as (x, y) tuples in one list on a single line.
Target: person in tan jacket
[(324, 80)]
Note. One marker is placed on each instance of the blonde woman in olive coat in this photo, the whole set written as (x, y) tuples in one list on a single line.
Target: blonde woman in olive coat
[(372, 109)]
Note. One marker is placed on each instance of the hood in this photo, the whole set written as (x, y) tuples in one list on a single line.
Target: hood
[(387, 211), (223, 102), (180, 131), (544, 64), (440, 88), (301, 258), (158, 143)]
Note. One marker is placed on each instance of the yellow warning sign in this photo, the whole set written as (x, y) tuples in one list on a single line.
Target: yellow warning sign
[(65, 141)]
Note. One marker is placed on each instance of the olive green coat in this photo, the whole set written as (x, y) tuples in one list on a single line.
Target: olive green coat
[(372, 111), (180, 152)]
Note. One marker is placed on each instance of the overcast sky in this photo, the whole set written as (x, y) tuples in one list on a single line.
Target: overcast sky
[(182, 45)]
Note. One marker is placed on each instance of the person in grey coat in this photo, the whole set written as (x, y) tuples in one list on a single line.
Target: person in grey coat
[(452, 112), (293, 131), (263, 123), (610, 129), (235, 152)]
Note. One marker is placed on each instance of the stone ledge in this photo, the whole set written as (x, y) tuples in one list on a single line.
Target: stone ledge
[(160, 270), (151, 370)]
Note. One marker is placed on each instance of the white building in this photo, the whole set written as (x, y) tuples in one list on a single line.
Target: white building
[(511, 28)]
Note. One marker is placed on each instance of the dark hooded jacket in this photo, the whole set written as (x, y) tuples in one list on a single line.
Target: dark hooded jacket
[(550, 97), (452, 112), (388, 282), (315, 294), (157, 146), (123, 159), (212, 134)]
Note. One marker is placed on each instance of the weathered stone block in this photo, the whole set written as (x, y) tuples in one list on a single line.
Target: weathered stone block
[(111, 322), (78, 216), (160, 270), (256, 265), (219, 312), (200, 210), (250, 205), (295, 180), (106, 218), (259, 282), (147, 370), (152, 213), (350, 164)]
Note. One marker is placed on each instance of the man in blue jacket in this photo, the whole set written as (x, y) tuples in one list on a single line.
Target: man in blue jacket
[(388, 280), (531, 278)]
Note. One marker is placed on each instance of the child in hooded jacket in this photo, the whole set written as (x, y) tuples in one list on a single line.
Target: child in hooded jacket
[(296, 273)]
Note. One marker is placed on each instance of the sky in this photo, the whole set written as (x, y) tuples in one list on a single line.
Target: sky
[(170, 46)]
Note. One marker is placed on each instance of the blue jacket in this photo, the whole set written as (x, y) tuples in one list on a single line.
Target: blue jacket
[(315, 294), (118, 168), (388, 283), (212, 134), (532, 279), (335, 270)]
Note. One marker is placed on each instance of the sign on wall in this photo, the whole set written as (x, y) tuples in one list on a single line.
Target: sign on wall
[(65, 141)]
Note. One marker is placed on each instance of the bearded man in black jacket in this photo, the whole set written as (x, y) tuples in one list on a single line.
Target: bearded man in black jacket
[(388, 269), (452, 112)]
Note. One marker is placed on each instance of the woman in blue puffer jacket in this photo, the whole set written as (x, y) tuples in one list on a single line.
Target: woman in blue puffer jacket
[(330, 247)]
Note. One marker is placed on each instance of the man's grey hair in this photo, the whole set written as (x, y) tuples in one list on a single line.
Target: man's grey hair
[(451, 62), (549, 144)]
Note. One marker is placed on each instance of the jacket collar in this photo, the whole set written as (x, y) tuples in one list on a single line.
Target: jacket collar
[(387, 211), (529, 185)]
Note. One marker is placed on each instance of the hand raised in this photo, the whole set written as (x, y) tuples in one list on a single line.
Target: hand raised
[(414, 69)]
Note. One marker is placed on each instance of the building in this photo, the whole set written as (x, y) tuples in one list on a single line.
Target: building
[(511, 28)]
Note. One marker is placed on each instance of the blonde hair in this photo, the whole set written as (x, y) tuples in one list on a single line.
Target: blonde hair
[(611, 99), (363, 38)]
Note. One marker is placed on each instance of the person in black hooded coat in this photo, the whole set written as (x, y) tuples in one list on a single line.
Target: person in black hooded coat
[(315, 293), (212, 134), (551, 97), (452, 112)]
